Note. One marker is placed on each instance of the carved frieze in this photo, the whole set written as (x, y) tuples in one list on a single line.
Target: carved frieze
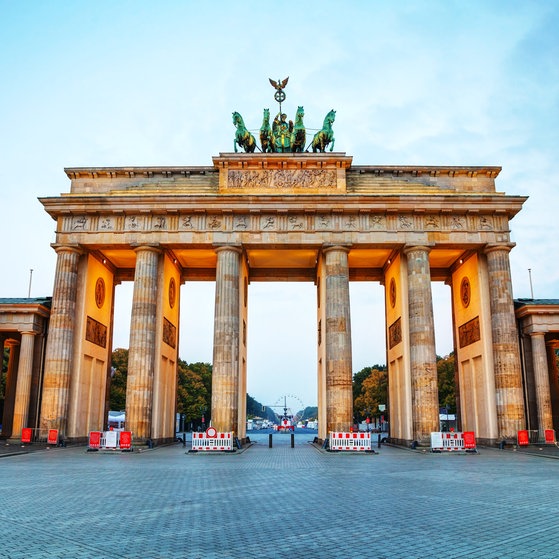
[(281, 179), (457, 222), (377, 222), (395, 333), (159, 222), (80, 223), (107, 223), (169, 333), (134, 223), (95, 332), (469, 332), (431, 222), (405, 222), (343, 221)]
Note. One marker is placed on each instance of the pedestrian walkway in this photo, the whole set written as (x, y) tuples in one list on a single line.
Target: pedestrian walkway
[(278, 502)]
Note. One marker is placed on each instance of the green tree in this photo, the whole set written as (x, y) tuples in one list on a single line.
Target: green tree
[(119, 375), (447, 382), (310, 412), (194, 391), (373, 392), (361, 375)]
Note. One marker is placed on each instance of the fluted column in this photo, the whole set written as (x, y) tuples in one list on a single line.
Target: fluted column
[(60, 342), (423, 357), (553, 377), (141, 353), (10, 388), (506, 353), (339, 393), (225, 370), (541, 378), (23, 386)]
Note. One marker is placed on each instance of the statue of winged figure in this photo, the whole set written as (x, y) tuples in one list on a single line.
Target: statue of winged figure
[(279, 85)]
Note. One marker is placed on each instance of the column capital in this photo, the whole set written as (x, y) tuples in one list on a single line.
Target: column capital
[(329, 248), (537, 334), (28, 332), (494, 247), (153, 247), (75, 248), (223, 247), (412, 248)]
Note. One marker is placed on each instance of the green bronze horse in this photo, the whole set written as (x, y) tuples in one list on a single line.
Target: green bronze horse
[(266, 133), (323, 137), (243, 137), (299, 134)]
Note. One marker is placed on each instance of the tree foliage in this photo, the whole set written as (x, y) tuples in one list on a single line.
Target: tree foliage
[(119, 374), (194, 391), (370, 389), (310, 412), (4, 372), (447, 382)]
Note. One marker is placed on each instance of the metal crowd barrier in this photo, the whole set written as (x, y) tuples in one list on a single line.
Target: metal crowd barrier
[(527, 437), (110, 440), (212, 440), (30, 435), (349, 441), (453, 441)]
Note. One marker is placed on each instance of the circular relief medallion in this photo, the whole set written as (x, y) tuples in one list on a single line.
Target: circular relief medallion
[(465, 291), (172, 292), (100, 292), (392, 293)]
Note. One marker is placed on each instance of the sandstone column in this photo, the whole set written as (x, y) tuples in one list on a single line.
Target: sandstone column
[(423, 357), (10, 388), (506, 353), (23, 387), (541, 378), (141, 353), (339, 393), (60, 342), (553, 377), (225, 371)]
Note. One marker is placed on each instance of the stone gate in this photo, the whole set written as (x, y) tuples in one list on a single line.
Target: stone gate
[(292, 217)]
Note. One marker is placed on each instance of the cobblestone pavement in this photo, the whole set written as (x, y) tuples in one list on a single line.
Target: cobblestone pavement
[(281, 502)]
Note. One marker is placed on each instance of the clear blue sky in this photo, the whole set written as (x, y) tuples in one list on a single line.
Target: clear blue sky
[(110, 83)]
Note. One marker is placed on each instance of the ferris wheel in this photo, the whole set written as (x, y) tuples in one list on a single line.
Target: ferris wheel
[(291, 405)]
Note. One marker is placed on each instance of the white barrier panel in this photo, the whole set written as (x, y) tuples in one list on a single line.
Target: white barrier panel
[(349, 441), (451, 441), (212, 440)]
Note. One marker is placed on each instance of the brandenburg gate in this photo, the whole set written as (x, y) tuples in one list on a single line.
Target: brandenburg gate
[(298, 216)]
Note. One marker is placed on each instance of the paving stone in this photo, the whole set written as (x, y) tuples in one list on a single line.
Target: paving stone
[(280, 502)]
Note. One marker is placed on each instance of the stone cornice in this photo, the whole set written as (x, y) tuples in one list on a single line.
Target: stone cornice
[(134, 172), (291, 160), (428, 170), (165, 203)]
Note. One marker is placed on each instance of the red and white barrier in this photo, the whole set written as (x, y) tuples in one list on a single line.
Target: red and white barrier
[(110, 440), (453, 441), (212, 440), (52, 437), (525, 437), (349, 441)]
